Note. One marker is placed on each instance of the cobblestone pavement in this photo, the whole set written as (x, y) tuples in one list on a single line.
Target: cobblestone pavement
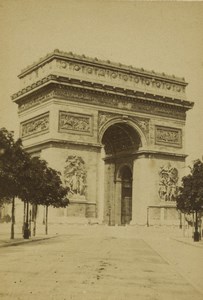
[(99, 262)]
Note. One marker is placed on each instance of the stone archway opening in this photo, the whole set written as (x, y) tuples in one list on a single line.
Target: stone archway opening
[(120, 138), (121, 141)]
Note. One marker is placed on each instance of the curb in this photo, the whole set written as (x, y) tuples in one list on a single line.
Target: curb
[(190, 243), (21, 242)]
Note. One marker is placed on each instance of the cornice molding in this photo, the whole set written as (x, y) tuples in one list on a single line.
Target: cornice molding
[(95, 87), (60, 143), (147, 154), (139, 103), (160, 154)]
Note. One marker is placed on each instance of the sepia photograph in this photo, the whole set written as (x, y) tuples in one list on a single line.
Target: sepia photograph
[(101, 150)]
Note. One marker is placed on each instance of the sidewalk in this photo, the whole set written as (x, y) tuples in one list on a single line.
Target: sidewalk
[(6, 241), (168, 232)]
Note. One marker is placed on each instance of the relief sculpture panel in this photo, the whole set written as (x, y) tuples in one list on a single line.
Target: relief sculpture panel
[(168, 187), (75, 122), (75, 177), (36, 125), (168, 136)]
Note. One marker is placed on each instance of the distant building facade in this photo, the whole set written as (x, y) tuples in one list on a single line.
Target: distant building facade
[(116, 134)]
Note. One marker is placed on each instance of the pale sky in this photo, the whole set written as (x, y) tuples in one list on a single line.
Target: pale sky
[(161, 36)]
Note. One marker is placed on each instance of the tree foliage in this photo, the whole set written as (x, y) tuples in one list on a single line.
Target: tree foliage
[(26, 177), (12, 163), (190, 196), (43, 185)]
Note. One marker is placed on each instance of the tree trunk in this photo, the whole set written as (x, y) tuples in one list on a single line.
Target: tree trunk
[(46, 221), (26, 233), (12, 218), (196, 233), (184, 225), (34, 219), (43, 222), (181, 221), (30, 221), (27, 213), (24, 215)]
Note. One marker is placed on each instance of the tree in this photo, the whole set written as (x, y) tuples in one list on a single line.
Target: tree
[(12, 163), (41, 185), (190, 196), (54, 193), (28, 178), (31, 182)]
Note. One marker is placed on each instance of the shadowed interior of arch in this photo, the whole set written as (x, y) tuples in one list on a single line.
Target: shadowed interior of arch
[(119, 138), (126, 195)]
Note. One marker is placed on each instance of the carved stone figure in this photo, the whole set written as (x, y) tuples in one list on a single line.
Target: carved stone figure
[(168, 183), (75, 175), (105, 117)]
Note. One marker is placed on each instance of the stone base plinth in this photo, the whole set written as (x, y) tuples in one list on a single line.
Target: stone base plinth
[(76, 209), (91, 210), (163, 215)]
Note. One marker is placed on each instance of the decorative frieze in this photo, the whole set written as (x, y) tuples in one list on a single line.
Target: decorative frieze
[(75, 122), (168, 136), (35, 125), (132, 78), (35, 100), (120, 102), (105, 99)]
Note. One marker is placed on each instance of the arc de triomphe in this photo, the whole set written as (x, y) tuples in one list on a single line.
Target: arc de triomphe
[(116, 133)]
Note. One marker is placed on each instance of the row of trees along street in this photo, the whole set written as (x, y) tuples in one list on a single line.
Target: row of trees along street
[(29, 179), (190, 196)]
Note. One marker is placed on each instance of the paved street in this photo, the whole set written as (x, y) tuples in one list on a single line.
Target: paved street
[(98, 262)]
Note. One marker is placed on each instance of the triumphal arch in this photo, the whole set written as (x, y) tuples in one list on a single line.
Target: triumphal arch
[(116, 133)]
